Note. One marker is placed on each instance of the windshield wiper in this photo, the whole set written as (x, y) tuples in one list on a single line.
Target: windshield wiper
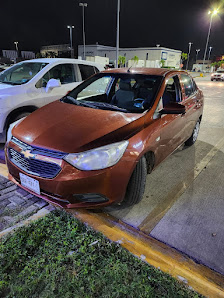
[(70, 99), (108, 106)]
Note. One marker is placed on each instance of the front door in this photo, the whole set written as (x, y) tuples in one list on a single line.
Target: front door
[(65, 73), (172, 126)]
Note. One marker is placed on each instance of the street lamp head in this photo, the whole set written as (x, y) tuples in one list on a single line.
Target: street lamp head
[(83, 4), (214, 12)]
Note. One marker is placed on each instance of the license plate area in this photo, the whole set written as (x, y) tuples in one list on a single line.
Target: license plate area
[(30, 183)]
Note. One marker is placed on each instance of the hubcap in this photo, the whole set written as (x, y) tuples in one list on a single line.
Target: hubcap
[(196, 131)]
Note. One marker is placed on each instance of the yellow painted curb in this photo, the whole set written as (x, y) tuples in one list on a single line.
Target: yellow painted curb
[(3, 170), (199, 277)]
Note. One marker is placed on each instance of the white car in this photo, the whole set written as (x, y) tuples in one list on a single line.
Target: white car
[(218, 75), (31, 84)]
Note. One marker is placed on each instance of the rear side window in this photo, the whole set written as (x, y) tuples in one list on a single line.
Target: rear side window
[(86, 71), (188, 85)]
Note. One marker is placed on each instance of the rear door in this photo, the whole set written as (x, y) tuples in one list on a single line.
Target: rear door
[(191, 102)]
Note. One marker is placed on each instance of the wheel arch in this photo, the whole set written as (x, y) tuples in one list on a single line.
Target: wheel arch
[(150, 159)]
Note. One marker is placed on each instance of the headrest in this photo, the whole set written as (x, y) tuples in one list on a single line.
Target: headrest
[(125, 85)]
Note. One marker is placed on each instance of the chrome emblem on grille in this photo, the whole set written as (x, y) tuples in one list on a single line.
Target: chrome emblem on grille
[(27, 154)]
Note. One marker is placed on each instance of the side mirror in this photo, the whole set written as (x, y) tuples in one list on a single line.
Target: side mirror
[(173, 108), (52, 83)]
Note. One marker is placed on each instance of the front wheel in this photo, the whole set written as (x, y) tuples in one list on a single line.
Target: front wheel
[(136, 184), (194, 135)]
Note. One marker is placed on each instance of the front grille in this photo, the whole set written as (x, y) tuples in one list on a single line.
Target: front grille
[(36, 150), (34, 166)]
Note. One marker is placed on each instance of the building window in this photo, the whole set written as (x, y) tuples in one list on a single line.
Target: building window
[(147, 56)]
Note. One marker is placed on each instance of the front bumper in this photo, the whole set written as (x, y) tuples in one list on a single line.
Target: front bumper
[(73, 188)]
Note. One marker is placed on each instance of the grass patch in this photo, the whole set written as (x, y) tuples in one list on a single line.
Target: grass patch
[(57, 256)]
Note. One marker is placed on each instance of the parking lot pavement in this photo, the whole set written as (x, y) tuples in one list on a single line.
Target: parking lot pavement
[(183, 203)]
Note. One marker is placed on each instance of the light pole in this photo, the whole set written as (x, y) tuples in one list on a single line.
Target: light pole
[(197, 51), (16, 44), (83, 5), (209, 53), (118, 19), (188, 56), (212, 13), (70, 29)]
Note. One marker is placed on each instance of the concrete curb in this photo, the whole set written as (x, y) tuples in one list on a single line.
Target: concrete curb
[(196, 276)]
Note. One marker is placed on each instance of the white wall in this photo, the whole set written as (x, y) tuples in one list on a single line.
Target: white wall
[(171, 57)]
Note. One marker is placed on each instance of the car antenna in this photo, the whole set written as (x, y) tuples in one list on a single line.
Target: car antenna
[(129, 69)]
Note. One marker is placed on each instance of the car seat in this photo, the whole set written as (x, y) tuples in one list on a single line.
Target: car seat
[(124, 97)]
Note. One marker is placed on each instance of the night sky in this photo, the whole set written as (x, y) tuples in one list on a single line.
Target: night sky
[(143, 23)]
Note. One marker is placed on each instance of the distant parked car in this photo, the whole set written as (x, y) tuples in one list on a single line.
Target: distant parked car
[(95, 146), (31, 84), (218, 75)]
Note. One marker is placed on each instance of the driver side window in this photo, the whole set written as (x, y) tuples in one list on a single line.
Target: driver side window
[(63, 72), (172, 91)]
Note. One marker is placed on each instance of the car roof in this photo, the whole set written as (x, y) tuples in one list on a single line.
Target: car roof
[(64, 60), (144, 71)]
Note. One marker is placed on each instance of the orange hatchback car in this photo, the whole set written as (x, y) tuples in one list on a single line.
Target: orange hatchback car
[(95, 146)]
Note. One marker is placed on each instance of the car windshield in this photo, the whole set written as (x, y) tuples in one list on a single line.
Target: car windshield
[(220, 71), (130, 93), (21, 73)]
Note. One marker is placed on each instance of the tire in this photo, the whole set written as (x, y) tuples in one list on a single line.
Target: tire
[(136, 184), (19, 116), (212, 79), (194, 135)]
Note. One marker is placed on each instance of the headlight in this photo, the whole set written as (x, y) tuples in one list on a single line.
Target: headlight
[(9, 132), (99, 158), (212, 74)]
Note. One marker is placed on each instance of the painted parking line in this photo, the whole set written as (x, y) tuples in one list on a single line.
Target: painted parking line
[(3, 170), (160, 210)]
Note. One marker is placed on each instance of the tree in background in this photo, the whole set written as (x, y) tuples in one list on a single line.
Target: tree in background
[(218, 64), (162, 63), (38, 55), (135, 59), (121, 61), (184, 57)]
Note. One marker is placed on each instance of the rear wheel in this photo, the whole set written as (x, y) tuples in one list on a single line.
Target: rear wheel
[(194, 135), (136, 184)]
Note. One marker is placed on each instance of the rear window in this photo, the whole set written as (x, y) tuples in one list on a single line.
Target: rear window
[(86, 71)]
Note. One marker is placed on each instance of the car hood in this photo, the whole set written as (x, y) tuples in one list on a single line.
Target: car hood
[(6, 86), (70, 128)]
